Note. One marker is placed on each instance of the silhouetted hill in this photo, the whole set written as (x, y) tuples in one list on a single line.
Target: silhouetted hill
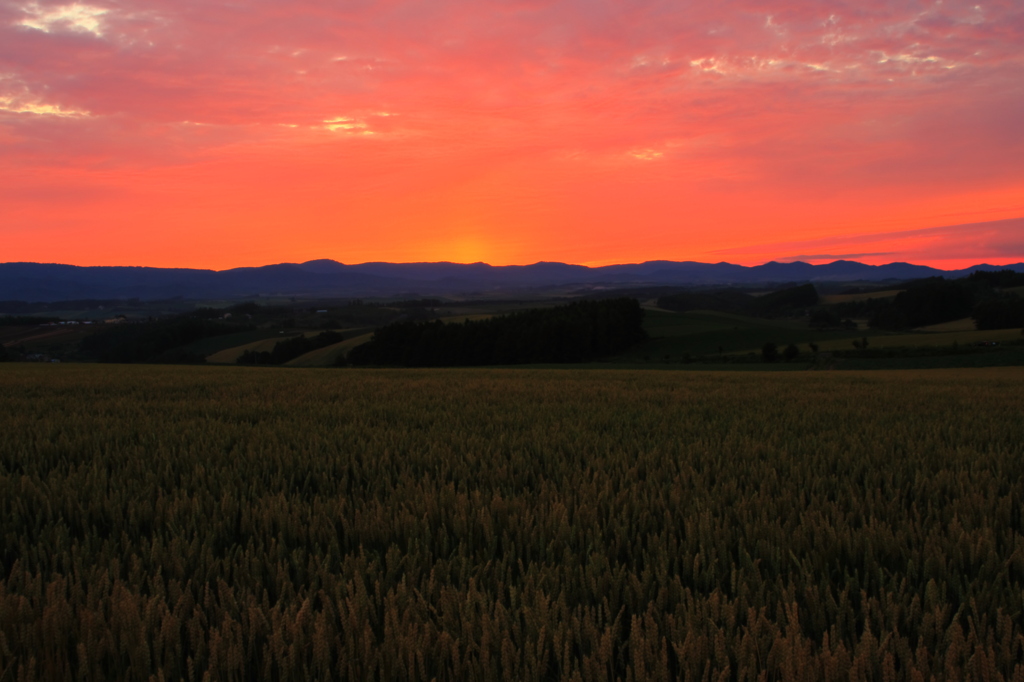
[(53, 282)]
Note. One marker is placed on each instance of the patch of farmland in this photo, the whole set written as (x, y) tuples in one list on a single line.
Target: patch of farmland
[(328, 355), (10, 336), (962, 338), (325, 357), (215, 344), (964, 325), (321, 357), (230, 355)]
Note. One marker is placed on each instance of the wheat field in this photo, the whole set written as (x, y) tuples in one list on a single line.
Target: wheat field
[(230, 523)]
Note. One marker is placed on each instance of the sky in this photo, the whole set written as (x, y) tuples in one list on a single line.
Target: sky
[(202, 133)]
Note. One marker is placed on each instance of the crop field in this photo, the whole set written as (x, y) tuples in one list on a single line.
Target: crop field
[(234, 523), (944, 338), (266, 340), (326, 357), (231, 355), (225, 345)]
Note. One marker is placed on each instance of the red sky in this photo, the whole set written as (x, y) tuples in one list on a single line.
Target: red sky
[(202, 133)]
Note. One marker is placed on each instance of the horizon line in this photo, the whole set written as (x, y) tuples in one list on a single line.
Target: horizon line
[(797, 260)]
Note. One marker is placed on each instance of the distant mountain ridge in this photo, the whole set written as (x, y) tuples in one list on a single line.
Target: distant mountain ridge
[(327, 278)]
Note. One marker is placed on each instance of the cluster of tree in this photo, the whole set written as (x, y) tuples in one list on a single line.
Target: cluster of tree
[(308, 314), (722, 300), (577, 332), (936, 300), (922, 302), (4, 354), (1000, 279), (159, 341), (864, 309), (824, 318), (1002, 312), (289, 349), (784, 302), (770, 352), (928, 301)]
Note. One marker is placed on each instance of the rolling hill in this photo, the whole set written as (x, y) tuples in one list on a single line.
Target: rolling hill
[(55, 282)]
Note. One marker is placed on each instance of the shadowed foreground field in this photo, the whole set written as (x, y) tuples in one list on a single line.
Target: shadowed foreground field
[(185, 522)]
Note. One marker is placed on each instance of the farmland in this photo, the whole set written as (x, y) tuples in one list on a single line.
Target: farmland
[(510, 524), (972, 321)]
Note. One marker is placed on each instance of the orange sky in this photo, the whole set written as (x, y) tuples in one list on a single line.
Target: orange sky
[(211, 134)]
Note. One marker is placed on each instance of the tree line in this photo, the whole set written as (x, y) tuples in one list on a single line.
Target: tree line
[(935, 300), (982, 296), (160, 341), (578, 332), (777, 303)]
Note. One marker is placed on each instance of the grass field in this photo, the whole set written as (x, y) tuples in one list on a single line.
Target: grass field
[(706, 333), (963, 338), (247, 523)]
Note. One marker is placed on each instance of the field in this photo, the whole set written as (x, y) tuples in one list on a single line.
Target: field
[(679, 337), (247, 523), (228, 352), (231, 355), (326, 357), (706, 333), (937, 338)]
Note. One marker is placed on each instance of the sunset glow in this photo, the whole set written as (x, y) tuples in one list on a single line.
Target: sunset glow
[(214, 134)]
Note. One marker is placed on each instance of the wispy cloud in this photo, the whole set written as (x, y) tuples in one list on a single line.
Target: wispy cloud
[(835, 256), (71, 17)]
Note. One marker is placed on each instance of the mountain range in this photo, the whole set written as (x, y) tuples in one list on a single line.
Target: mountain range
[(327, 278)]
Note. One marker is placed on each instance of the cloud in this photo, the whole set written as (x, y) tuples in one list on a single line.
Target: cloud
[(648, 125), (72, 17), (15, 106)]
